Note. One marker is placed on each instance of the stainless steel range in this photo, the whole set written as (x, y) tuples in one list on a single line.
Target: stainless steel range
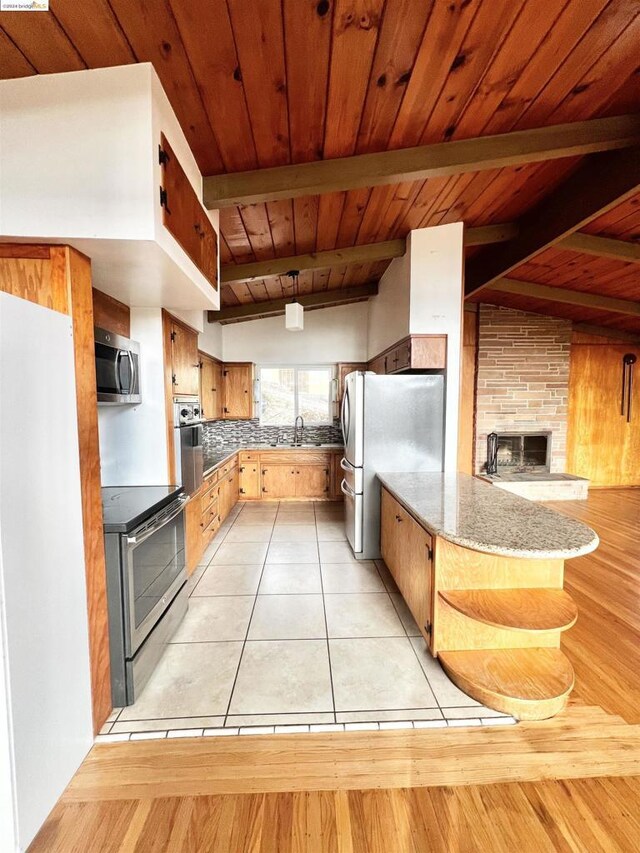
[(146, 576)]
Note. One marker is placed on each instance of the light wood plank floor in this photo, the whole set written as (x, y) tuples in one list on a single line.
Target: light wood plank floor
[(519, 788)]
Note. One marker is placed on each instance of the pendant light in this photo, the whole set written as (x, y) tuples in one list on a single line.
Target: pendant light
[(294, 311)]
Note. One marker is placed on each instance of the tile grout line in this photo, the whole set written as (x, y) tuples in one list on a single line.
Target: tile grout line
[(246, 637), (326, 624)]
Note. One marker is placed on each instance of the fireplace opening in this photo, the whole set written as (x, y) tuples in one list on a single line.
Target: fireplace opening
[(521, 452)]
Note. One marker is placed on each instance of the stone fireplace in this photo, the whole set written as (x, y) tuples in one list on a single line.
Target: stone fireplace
[(522, 390)]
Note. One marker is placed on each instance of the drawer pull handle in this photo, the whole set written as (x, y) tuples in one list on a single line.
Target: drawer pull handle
[(398, 518)]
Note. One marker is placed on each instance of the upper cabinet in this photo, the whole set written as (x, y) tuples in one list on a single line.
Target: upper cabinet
[(185, 362), (88, 142), (184, 216), (238, 391), (417, 352), (344, 369), (211, 387)]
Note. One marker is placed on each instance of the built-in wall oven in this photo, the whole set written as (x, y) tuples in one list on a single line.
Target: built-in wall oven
[(189, 451), (146, 575)]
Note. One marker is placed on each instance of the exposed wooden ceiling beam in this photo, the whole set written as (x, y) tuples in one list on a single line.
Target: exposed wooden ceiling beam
[(603, 247), (569, 297), (603, 181), (367, 254), (272, 308), (426, 161)]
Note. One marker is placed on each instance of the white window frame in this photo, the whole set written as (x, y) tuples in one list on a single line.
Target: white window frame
[(296, 367)]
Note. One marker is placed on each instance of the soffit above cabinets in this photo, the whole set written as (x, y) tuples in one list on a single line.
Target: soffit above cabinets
[(81, 166)]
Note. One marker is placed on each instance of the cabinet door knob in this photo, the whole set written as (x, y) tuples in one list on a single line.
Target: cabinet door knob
[(398, 518)]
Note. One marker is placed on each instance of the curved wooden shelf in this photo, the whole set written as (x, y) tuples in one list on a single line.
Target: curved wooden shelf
[(529, 684), (516, 609)]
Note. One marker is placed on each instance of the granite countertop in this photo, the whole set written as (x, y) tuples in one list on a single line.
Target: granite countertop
[(474, 514), (215, 457)]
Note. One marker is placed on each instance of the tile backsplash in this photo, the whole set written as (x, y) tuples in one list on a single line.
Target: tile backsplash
[(223, 433)]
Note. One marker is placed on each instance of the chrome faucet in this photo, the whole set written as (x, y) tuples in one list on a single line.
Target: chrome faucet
[(298, 429)]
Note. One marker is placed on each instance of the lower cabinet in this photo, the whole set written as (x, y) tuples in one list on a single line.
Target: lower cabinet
[(407, 549), (207, 509), (249, 480), (312, 481), (278, 480)]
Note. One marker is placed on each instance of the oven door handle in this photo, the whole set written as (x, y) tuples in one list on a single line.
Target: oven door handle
[(138, 540)]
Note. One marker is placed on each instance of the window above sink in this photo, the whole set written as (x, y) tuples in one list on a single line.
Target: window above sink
[(290, 391)]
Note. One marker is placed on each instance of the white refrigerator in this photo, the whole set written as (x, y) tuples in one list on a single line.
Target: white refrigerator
[(389, 424)]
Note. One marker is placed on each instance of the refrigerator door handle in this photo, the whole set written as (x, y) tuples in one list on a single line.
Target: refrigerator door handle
[(345, 415), (344, 488), (346, 466)]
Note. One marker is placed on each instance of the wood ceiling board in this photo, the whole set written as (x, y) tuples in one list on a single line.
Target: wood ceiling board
[(201, 25), (280, 215), (566, 70), (305, 222), (355, 30), (402, 28), (514, 55), (594, 90), (307, 29), (13, 63), (475, 55), (421, 163), (258, 230), (94, 30), (622, 222), (579, 200), (259, 40), (441, 41), (584, 273), (330, 207), (42, 41), (152, 32)]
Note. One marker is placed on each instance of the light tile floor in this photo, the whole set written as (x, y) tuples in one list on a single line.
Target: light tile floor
[(286, 631)]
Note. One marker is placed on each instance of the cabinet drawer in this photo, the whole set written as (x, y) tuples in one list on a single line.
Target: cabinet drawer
[(295, 457), (209, 497), (207, 517), (248, 456), (210, 479)]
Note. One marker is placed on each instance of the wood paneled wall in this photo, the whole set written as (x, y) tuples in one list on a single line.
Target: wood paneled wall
[(601, 444), (110, 314), (59, 278)]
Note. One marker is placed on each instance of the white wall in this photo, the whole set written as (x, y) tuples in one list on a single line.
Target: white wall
[(330, 335), (133, 441), (45, 642), (436, 306), (210, 340), (389, 310)]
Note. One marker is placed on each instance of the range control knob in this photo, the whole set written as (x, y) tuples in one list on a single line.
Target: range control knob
[(196, 411), (184, 413)]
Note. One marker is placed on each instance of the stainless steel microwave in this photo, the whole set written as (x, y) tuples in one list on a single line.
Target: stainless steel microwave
[(117, 368)]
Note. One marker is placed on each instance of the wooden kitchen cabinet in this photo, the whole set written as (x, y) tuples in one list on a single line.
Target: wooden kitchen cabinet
[(407, 549), (185, 362), (344, 369), (417, 352), (211, 387), (312, 481), (184, 216), (278, 480), (249, 480), (238, 391), (192, 533)]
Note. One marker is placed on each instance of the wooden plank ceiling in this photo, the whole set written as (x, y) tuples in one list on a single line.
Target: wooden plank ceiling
[(278, 82)]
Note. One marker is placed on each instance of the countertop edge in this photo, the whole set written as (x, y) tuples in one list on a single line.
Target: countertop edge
[(330, 448), (559, 554)]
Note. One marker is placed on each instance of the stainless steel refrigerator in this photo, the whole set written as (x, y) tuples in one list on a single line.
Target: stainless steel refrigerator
[(392, 424)]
